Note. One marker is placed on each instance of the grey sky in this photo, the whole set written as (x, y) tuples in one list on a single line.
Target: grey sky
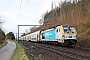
[(9, 12)]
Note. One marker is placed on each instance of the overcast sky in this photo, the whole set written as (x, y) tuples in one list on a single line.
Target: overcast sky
[(29, 13)]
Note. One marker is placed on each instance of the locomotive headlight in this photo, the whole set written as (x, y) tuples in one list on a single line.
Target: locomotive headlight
[(63, 36), (74, 36)]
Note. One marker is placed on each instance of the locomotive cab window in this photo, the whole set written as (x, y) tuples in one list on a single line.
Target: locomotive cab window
[(57, 30)]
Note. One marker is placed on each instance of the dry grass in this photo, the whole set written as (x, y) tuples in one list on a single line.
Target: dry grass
[(19, 53)]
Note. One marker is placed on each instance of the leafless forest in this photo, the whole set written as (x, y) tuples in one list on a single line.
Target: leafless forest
[(76, 12)]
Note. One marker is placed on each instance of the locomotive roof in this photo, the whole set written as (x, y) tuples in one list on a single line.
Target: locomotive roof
[(67, 25)]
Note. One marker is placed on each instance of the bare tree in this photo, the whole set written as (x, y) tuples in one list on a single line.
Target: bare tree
[(1, 22)]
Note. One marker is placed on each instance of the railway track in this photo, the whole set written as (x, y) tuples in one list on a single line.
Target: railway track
[(64, 53)]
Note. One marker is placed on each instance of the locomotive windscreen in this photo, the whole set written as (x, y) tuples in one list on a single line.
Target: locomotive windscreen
[(69, 28)]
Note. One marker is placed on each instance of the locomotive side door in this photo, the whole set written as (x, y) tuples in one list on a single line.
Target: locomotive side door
[(58, 34)]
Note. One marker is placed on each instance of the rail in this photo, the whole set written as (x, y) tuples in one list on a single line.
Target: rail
[(28, 52)]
